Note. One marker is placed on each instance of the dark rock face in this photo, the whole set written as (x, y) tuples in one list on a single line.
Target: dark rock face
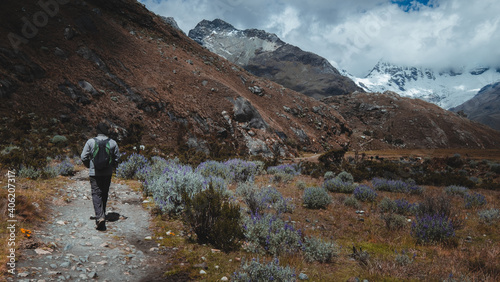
[(245, 112), (74, 93), (484, 107), (171, 21), (265, 55), (7, 87)]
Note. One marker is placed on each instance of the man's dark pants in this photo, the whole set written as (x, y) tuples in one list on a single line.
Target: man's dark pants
[(100, 190)]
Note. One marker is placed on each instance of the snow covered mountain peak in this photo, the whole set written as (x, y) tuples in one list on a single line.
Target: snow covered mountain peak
[(447, 89), (221, 37)]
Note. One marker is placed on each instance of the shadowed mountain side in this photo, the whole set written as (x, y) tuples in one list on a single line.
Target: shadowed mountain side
[(484, 107)]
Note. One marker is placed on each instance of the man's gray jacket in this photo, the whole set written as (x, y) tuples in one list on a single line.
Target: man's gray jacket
[(88, 152)]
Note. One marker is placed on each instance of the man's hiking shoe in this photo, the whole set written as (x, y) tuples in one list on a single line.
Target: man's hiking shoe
[(101, 224)]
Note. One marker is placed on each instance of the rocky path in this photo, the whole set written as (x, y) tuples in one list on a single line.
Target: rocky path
[(68, 248)]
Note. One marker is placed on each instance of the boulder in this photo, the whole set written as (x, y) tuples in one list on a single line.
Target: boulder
[(244, 111)]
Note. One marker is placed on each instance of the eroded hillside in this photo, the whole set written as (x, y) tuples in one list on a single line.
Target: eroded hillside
[(387, 120), (116, 61)]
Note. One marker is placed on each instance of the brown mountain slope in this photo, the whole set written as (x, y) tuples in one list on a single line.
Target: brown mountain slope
[(89, 61), (383, 121)]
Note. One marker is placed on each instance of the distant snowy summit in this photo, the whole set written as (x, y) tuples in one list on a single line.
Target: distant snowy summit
[(446, 89)]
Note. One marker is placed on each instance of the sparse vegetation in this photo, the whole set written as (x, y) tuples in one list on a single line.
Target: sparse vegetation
[(300, 223)]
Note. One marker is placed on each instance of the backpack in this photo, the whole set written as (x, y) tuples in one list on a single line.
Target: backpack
[(102, 154)]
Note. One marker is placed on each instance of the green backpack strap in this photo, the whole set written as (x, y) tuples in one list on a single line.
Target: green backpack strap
[(96, 148)]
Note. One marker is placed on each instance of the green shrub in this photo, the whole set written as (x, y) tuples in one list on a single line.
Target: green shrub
[(66, 168), (387, 205), (316, 249), (365, 194), (337, 185), (59, 140), (129, 168), (456, 190), (259, 200), (434, 205), (403, 259), (50, 172), (243, 189), (432, 228), (346, 177), (351, 201), (474, 200), (495, 168), (267, 233), (29, 172), (455, 161), (394, 221), (281, 177), (168, 189), (489, 216), (329, 175), (11, 157), (301, 185), (316, 198), (256, 271), (214, 219), (444, 178), (363, 257)]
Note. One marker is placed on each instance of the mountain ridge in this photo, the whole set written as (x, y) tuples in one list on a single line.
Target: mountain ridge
[(265, 55), (445, 88)]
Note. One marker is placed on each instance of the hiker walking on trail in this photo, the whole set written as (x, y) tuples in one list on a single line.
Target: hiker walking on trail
[(100, 155)]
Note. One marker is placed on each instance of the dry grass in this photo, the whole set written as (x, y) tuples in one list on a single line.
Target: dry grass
[(476, 260), (31, 206), (477, 154)]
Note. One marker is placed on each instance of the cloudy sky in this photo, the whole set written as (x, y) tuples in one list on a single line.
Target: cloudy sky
[(355, 35)]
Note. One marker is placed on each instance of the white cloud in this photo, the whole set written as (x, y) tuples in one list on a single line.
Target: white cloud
[(354, 35), (285, 22)]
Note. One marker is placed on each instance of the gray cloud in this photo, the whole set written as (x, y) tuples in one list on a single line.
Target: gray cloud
[(355, 35)]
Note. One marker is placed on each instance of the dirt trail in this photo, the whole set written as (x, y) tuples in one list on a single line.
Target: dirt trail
[(70, 249)]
